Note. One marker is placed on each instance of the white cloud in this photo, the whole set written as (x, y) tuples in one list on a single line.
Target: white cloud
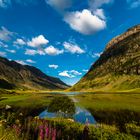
[(11, 51), (3, 54), (19, 42), (133, 3), (53, 66), (40, 52), (5, 34), (38, 41), (70, 74), (85, 22), (65, 74), (21, 62), (30, 61), (96, 55), (59, 5), (100, 13), (30, 52), (74, 72), (94, 4), (51, 50), (85, 70), (73, 48)]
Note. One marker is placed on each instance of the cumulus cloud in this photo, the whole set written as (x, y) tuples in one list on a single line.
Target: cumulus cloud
[(65, 74), (85, 22), (30, 52), (30, 61), (5, 34), (88, 21), (73, 48), (74, 72), (70, 74), (40, 52), (3, 54), (53, 66), (38, 41), (51, 50), (59, 5), (100, 13), (11, 51), (19, 42), (133, 3)]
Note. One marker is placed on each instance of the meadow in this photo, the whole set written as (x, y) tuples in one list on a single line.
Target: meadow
[(110, 101), (112, 108), (30, 103), (117, 115)]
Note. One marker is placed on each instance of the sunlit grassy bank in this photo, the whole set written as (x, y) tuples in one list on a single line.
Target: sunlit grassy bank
[(118, 108), (100, 100), (31, 103)]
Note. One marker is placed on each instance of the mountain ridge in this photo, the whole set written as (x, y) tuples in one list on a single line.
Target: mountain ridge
[(120, 61), (26, 77)]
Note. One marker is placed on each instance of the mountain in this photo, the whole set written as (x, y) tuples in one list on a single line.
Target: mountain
[(14, 75), (118, 67)]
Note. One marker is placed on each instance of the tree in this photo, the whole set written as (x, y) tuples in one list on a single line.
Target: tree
[(63, 104)]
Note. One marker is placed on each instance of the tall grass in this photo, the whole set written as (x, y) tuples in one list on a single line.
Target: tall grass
[(32, 128)]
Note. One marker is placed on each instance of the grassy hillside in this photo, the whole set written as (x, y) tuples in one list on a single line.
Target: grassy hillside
[(109, 82), (118, 68), (17, 76)]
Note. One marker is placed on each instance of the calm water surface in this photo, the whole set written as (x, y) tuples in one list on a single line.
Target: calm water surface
[(81, 114)]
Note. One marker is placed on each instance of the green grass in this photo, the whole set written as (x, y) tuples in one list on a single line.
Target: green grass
[(117, 108), (109, 82), (28, 103), (7, 134), (101, 101), (25, 100), (109, 108)]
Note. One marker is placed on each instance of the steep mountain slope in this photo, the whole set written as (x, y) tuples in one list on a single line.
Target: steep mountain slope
[(15, 75), (118, 68)]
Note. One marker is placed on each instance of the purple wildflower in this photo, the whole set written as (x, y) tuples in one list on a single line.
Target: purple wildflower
[(46, 132), (54, 134)]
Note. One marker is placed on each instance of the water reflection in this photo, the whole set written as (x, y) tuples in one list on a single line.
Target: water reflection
[(81, 115)]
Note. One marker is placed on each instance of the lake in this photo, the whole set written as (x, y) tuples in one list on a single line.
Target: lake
[(81, 115)]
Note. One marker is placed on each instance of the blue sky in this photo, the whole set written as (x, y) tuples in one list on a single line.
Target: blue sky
[(62, 37)]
